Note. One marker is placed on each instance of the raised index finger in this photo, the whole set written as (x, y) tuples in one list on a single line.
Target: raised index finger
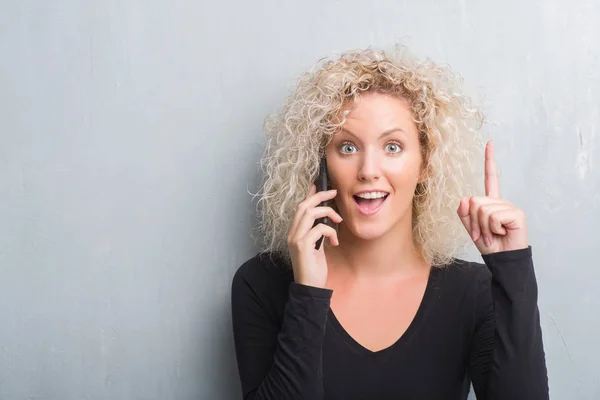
[(492, 185)]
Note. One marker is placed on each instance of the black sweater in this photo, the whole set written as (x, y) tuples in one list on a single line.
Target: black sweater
[(476, 323)]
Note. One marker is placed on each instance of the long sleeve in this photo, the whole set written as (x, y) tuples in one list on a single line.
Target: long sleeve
[(279, 360), (507, 360)]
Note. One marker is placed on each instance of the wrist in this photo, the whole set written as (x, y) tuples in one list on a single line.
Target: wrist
[(310, 281)]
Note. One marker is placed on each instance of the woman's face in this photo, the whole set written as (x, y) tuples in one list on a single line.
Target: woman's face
[(377, 151)]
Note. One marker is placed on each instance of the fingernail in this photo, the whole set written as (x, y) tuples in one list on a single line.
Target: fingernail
[(487, 240), (475, 234)]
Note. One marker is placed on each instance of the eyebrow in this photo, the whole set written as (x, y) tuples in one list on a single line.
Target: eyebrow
[(384, 134)]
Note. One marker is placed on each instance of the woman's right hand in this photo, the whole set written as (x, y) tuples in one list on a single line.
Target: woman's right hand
[(309, 264)]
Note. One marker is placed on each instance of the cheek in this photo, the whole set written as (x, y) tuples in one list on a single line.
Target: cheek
[(339, 176), (408, 173), (333, 180)]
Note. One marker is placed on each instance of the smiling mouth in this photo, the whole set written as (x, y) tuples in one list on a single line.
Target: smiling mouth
[(369, 206)]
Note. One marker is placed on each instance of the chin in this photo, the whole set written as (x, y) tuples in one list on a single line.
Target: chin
[(368, 231)]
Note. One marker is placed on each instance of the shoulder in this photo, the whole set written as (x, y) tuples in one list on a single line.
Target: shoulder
[(263, 272), (463, 288), (465, 276)]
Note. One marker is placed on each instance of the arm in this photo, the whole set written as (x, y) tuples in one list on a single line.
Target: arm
[(279, 362), (507, 360)]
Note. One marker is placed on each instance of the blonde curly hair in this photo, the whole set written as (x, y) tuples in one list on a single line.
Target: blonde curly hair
[(450, 135)]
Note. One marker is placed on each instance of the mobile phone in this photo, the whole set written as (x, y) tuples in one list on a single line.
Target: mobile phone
[(321, 184)]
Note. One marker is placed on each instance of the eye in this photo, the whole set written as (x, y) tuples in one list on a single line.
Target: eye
[(396, 148), (346, 144)]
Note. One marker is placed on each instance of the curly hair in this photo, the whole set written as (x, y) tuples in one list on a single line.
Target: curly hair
[(450, 136)]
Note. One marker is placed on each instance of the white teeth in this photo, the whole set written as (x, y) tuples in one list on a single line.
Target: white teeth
[(372, 195)]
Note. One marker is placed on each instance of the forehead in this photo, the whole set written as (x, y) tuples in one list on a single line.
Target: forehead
[(375, 113)]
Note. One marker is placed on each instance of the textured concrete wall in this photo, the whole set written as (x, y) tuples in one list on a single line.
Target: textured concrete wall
[(130, 135)]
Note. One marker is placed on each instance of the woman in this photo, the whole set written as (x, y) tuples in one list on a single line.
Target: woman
[(384, 309)]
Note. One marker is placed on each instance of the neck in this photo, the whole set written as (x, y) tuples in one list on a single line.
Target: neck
[(393, 253)]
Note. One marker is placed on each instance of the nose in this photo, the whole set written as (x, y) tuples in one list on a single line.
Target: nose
[(370, 167)]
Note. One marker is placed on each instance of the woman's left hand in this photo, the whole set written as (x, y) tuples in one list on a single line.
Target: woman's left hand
[(494, 224)]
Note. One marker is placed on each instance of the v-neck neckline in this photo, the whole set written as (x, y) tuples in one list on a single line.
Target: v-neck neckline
[(408, 333)]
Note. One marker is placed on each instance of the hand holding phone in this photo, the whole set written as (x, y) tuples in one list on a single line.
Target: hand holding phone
[(321, 184), (307, 233)]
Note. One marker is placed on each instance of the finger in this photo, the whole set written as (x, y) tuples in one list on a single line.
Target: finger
[(311, 191), (509, 219), (485, 213), (494, 221), (492, 185), (311, 215), (463, 214), (312, 200), (315, 234), (475, 203)]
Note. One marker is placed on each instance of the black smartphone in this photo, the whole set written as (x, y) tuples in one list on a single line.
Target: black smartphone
[(321, 184)]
